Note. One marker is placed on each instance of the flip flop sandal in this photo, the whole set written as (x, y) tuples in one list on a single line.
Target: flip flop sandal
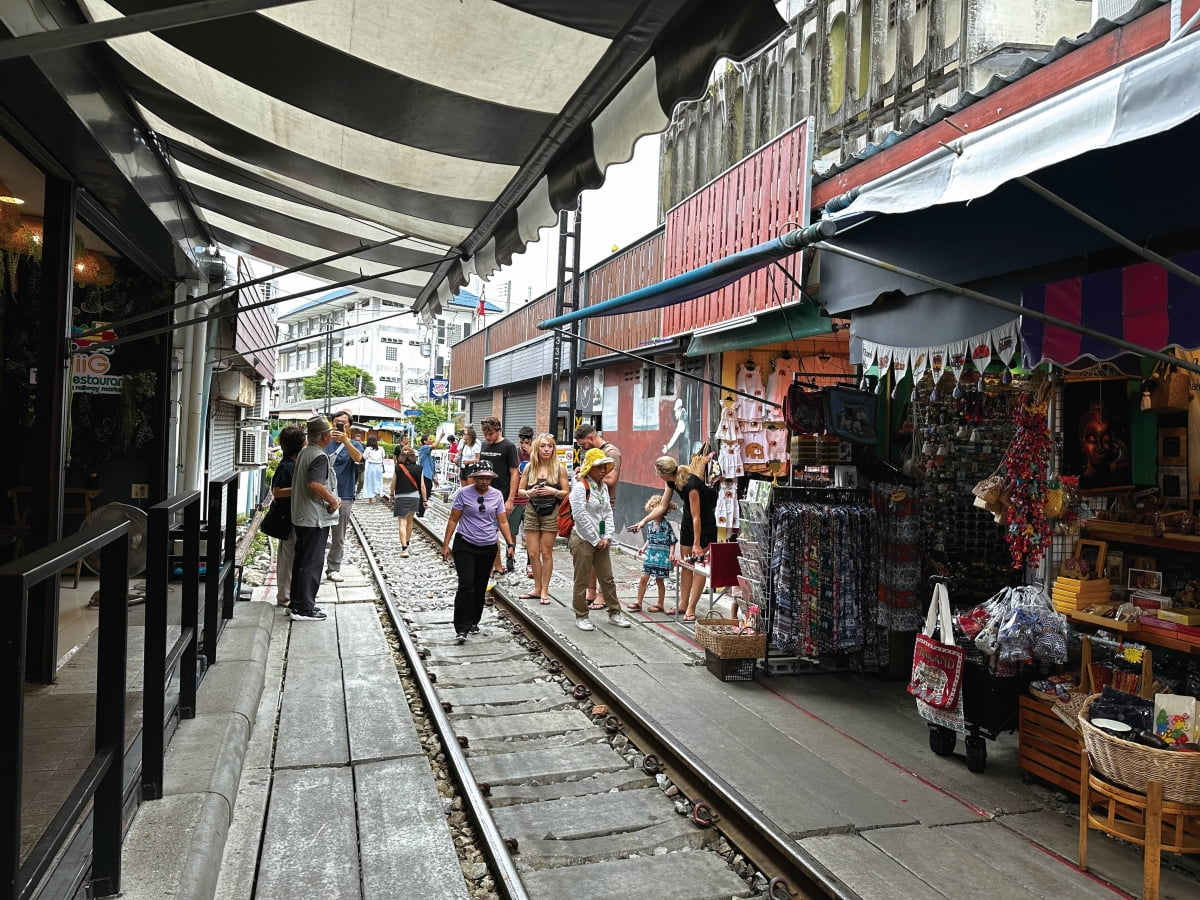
[(545, 601), (530, 597), (596, 605), (654, 609), (634, 607)]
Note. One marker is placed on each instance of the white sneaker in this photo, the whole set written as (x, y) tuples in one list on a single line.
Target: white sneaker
[(335, 576), (584, 624), (619, 620)]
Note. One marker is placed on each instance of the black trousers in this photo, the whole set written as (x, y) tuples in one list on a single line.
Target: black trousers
[(306, 568), (474, 565)]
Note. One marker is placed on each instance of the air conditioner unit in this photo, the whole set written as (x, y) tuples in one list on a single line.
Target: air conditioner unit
[(253, 445)]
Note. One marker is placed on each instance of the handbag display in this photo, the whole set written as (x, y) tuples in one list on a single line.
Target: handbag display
[(804, 410), (850, 414), (277, 523), (1170, 391), (937, 669)]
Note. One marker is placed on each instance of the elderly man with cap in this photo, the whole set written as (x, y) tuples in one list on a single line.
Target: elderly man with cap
[(591, 539), (477, 515), (314, 509)]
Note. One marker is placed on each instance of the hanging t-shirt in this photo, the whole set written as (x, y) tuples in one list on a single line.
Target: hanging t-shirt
[(785, 369)]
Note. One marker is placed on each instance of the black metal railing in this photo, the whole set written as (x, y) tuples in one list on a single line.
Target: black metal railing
[(220, 535), (158, 713), (100, 787)]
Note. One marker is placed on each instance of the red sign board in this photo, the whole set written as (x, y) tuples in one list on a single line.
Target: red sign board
[(763, 196)]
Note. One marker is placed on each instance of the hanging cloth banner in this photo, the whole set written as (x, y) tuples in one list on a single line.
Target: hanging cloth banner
[(975, 351)]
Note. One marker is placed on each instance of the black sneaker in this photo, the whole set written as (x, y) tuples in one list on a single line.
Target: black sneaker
[(474, 629), (461, 638), (313, 615)]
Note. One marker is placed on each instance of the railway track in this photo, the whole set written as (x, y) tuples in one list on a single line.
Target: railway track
[(573, 790)]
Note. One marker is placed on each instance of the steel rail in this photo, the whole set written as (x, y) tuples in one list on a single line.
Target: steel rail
[(771, 849), (508, 880)]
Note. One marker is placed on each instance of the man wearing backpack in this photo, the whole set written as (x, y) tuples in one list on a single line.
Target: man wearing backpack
[(588, 438)]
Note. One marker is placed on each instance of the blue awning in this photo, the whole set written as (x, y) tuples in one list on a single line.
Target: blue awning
[(702, 280)]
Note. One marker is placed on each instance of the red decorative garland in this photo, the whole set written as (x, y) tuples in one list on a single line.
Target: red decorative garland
[(1028, 531)]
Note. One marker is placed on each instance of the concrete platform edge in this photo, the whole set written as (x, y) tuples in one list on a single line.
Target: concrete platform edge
[(175, 846)]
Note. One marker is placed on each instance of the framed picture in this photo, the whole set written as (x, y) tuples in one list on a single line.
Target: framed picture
[(1090, 555), (1172, 482), (1172, 446), (1095, 427), (1142, 562), (1114, 566), (1069, 568), (1145, 580), (850, 414)]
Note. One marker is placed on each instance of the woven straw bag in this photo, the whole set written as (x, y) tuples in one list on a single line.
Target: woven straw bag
[(989, 489), (1172, 389)]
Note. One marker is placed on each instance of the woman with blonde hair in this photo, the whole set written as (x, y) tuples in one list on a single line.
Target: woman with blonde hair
[(697, 529), (544, 482)]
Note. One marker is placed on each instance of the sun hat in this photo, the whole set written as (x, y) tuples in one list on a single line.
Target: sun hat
[(483, 468), (317, 426), (594, 457)]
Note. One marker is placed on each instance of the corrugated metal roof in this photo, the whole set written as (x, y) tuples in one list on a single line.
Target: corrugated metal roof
[(995, 83), (465, 299), (324, 298)]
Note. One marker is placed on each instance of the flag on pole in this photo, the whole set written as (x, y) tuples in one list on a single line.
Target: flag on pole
[(481, 312)]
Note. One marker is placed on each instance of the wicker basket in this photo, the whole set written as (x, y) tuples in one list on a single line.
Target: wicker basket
[(713, 634), (1172, 391), (1134, 766)]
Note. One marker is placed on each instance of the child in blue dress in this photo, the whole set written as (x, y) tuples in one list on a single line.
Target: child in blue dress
[(658, 550)]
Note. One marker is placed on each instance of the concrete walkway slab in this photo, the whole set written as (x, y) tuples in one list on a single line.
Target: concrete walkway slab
[(867, 870), (310, 847), (379, 721), (312, 716), (312, 639), (406, 845), (359, 632)]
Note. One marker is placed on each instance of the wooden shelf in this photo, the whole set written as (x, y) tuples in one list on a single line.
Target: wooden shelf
[(1046, 746), (1188, 543)]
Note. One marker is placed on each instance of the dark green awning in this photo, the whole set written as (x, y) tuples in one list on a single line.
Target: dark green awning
[(800, 320)]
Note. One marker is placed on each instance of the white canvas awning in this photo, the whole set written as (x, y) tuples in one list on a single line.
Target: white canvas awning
[(309, 129)]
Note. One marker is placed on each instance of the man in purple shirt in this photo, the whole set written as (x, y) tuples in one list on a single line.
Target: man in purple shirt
[(477, 514)]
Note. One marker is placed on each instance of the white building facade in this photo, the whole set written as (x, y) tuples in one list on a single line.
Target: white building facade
[(377, 334)]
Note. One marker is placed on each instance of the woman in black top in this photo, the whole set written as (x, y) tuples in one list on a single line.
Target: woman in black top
[(697, 529)]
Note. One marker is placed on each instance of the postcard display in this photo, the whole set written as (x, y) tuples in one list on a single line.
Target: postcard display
[(754, 541)]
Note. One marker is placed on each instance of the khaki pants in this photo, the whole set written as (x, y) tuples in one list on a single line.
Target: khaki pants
[(585, 557)]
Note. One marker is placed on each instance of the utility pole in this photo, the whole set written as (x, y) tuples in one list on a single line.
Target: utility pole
[(328, 364)]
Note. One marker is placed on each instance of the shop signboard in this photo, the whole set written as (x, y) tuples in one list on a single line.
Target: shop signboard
[(90, 374)]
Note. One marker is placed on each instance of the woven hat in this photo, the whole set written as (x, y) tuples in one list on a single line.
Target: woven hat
[(484, 468), (594, 457), (317, 426)]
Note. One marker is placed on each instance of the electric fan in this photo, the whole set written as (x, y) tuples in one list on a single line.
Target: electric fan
[(114, 514)]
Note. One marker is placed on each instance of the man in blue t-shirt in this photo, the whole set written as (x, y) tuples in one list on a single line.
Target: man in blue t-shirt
[(344, 455), (428, 466)]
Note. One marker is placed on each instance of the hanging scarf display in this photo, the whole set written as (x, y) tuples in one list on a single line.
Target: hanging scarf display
[(826, 594)]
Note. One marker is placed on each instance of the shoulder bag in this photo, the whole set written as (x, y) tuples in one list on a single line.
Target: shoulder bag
[(277, 523), (937, 669)]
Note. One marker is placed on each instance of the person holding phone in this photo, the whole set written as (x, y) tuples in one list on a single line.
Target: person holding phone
[(344, 456), (544, 484)]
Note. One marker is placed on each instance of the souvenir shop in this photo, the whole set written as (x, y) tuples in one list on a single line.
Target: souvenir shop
[(1045, 498)]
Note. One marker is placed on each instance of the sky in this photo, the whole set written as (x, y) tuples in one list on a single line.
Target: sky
[(615, 215)]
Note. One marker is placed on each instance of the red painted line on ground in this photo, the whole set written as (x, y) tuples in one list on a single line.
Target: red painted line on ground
[(1066, 862)]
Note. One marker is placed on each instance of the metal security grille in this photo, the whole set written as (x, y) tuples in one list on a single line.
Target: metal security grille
[(223, 439), (520, 410), (481, 409)]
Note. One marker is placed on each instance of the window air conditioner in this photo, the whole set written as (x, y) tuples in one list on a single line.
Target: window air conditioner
[(253, 444)]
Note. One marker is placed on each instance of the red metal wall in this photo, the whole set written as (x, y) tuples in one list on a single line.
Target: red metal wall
[(637, 267), (758, 199)]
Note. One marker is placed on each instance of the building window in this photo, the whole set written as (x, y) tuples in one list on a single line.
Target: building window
[(668, 382), (390, 354)]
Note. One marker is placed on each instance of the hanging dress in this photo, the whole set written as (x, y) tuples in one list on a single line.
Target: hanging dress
[(749, 381), (782, 373), (728, 429), (727, 504)]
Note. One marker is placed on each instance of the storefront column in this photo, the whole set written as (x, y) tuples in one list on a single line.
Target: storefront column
[(46, 466)]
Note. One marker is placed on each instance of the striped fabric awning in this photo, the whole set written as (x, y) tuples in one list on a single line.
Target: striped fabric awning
[(1142, 303), (463, 125)]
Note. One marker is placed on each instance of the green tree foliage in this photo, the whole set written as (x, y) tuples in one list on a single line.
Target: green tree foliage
[(432, 415), (343, 382)]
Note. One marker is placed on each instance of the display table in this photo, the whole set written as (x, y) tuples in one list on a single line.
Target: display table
[(1144, 819)]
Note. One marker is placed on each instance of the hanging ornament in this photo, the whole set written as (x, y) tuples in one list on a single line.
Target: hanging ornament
[(958, 392), (870, 352)]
